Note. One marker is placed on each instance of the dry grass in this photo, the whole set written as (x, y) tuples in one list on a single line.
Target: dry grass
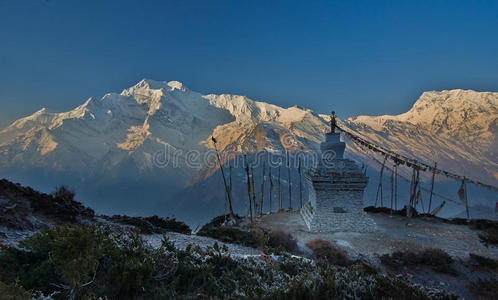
[(482, 263), (484, 288), (278, 239), (325, 251), (435, 258)]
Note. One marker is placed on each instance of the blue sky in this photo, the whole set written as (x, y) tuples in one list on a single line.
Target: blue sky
[(355, 57)]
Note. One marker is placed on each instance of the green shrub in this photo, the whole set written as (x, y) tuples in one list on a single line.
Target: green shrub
[(217, 229), (150, 225), (279, 241), (484, 288), (32, 267), (230, 234), (490, 229), (88, 263), (13, 292), (64, 193), (81, 261), (437, 259), (220, 220), (333, 283), (483, 263), (169, 224)]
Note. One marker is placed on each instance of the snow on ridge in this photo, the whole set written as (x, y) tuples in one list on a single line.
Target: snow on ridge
[(151, 114), (157, 85), (248, 110), (445, 126), (436, 105)]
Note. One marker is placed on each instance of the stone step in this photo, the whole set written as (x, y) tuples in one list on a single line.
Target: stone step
[(306, 214), (306, 217), (306, 211)]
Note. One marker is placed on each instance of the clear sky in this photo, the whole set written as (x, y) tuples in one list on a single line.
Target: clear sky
[(356, 57)]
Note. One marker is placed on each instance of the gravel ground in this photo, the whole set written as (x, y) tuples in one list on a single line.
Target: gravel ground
[(393, 233)]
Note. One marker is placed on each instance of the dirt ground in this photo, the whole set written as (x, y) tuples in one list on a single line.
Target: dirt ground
[(400, 233), (393, 233)]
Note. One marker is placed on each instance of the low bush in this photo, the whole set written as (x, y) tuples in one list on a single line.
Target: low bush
[(484, 288), (63, 193), (218, 229), (150, 225), (220, 220), (230, 234), (13, 292), (169, 224), (276, 242), (80, 262), (89, 263), (490, 229), (437, 259), (351, 283), (323, 250), (279, 241), (483, 263), (62, 206), (387, 210)]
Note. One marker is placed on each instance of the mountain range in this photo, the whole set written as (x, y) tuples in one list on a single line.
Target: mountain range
[(150, 148)]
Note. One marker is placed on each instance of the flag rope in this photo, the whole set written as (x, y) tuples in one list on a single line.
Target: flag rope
[(401, 159), (408, 180)]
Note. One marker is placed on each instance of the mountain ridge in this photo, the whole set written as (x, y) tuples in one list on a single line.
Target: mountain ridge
[(147, 132), (462, 130)]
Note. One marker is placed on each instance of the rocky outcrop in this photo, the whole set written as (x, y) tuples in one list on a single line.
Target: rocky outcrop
[(22, 208)]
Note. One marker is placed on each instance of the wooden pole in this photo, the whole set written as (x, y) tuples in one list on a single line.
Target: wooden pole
[(417, 182), (253, 191), (290, 181), (412, 184), (262, 192), (379, 187), (224, 179), (381, 193), (392, 189), (229, 186), (414, 192), (230, 181), (466, 199), (248, 186), (279, 190), (432, 187), (421, 199), (396, 187), (271, 186), (300, 185)]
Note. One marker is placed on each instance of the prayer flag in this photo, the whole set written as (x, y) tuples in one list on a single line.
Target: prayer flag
[(438, 209), (461, 193)]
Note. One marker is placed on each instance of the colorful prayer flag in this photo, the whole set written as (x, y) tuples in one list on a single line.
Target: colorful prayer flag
[(438, 209), (461, 193), (419, 196)]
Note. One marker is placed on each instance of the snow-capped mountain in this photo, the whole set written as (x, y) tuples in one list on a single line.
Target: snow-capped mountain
[(457, 129), (153, 134), (102, 134), (158, 134)]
